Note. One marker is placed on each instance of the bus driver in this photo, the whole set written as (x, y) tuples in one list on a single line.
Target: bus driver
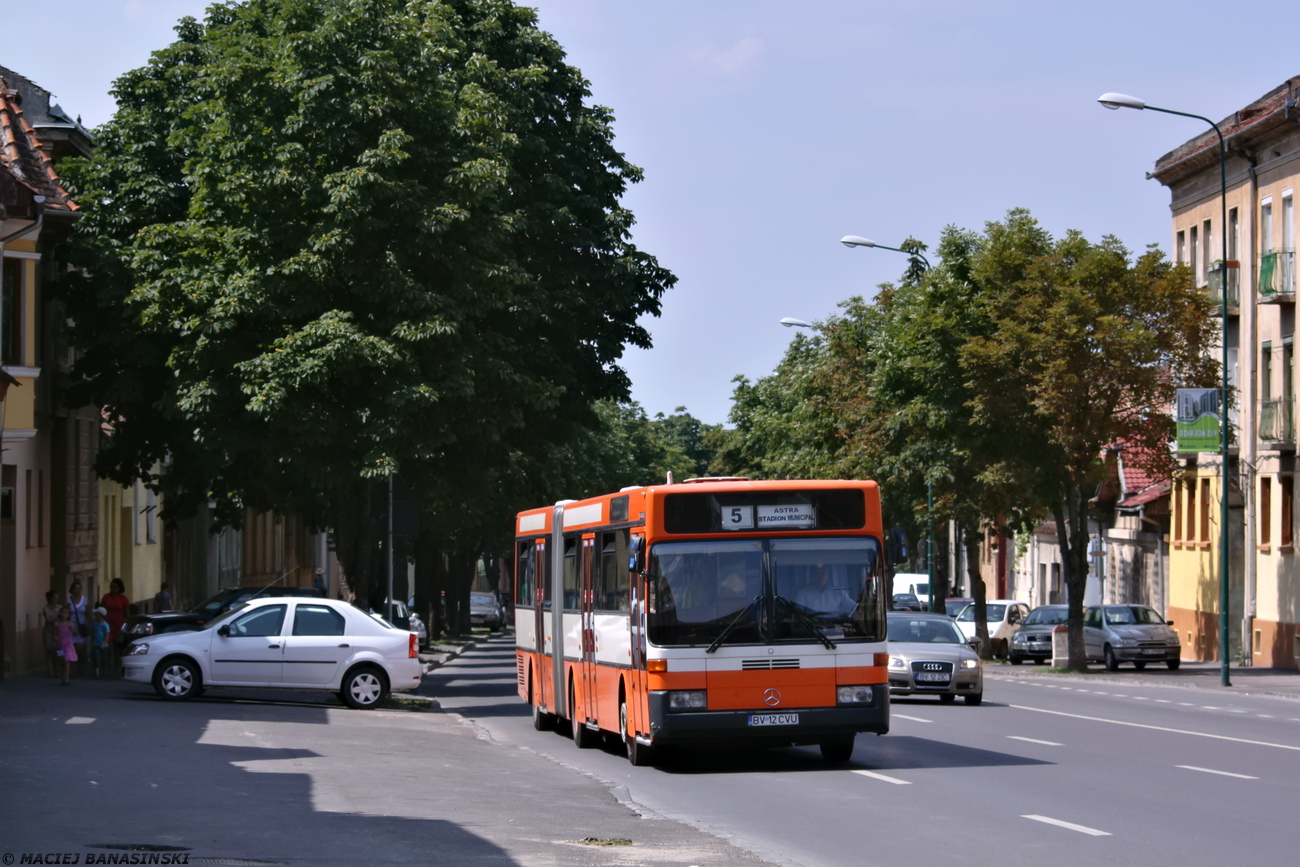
[(821, 597)]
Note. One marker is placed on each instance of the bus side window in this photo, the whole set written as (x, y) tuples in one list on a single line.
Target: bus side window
[(524, 575), (612, 592), (571, 579)]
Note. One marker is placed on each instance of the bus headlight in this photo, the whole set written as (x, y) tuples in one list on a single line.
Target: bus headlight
[(853, 695), (694, 699)]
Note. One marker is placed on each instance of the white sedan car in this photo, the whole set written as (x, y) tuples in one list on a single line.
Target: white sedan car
[(285, 643)]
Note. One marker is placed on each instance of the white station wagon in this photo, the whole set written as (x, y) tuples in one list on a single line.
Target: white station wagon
[(284, 643)]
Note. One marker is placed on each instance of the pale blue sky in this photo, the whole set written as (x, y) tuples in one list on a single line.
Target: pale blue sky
[(769, 129)]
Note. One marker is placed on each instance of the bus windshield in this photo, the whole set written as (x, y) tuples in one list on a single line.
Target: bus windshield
[(760, 591)]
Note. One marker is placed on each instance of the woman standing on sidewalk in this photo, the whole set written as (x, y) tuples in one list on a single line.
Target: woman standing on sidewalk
[(67, 648), (80, 621), (118, 607), (50, 633)]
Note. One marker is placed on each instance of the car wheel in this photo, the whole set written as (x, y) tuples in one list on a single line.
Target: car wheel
[(583, 737), (947, 697), (1015, 660), (1112, 663), (1173, 664), (364, 688), (177, 679), (837, 751), (975, 699), (1139, 665), (637, 753)]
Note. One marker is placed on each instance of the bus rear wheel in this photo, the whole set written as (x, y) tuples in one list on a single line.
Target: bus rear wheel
[(839, 750)]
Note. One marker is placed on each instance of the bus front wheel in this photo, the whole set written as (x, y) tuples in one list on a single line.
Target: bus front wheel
[(637, 753), (837, 751)]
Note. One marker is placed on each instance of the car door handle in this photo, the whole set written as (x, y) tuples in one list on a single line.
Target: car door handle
[(272, 646), (345, 645)]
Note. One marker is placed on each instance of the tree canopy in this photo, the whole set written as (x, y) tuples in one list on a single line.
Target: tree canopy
[(328, 239)]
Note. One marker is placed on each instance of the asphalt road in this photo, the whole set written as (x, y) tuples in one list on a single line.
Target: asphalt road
[(1047, 771), (104, 768)]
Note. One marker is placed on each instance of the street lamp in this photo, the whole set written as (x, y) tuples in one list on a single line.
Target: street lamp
[(935, 602), (1116, 101)]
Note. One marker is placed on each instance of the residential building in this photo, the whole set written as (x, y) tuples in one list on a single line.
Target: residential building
[(1259, 282), (36, 214)]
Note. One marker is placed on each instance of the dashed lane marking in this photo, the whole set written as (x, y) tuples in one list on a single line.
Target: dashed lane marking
[(79, 720), (1120, 722), (1082, 829), (1165, 700), (875, 776), (1220, 773), (1035, 741), (912, 718)]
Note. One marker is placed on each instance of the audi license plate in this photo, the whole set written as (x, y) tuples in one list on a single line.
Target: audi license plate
[(774, 719), (931, 677)]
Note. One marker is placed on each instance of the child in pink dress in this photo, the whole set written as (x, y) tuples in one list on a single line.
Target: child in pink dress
[(66, 650)]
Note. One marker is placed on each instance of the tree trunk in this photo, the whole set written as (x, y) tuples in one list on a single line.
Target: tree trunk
[(426, 596), (1072, 539), (972, 542)]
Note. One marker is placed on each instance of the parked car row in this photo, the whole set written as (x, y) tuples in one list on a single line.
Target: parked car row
[(1113, 634)]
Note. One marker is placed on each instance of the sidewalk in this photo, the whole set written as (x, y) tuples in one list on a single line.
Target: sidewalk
[(1276, 682)]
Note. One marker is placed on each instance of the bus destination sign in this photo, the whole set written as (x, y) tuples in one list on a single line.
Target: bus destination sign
[(791, 516)]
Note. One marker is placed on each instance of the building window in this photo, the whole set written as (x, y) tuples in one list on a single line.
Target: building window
[(1266, 371), (1266, 226), (1288, 222), (10, 337), (1180, 248), (1205, 510), (1191, 510), (1265, 511), (40, 508), (135, 513), (1194, 254), (1207, 249), (1177, 521), (150, 507), (27, 506), (1286, 485), (1234, 233)]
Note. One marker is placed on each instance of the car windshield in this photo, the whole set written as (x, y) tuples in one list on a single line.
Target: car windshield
[(924, 630), (759, 591), (1047, 616), (1131, 615), (482, 599), (225, 615), (953, 607), (221, 601), (993, 613)]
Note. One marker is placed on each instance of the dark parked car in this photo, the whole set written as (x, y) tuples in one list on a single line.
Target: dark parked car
[(907, 602), (142, 625), (485, 610), (1033, 640), (953, 605)]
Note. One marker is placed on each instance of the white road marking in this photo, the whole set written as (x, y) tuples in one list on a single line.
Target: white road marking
[(912, 718), (1209, 706), (1157, 728), (1142, 697), (79, 720), (1035, 741), (1260, 715), (875, 776), (1099, 692), (1165, 700), (1124, 694), (1188, 703), (1082, 829), (1220, 773)]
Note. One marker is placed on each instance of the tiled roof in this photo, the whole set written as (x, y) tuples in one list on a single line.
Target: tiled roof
[(1138, 485), (23, 159), (1271, 110)]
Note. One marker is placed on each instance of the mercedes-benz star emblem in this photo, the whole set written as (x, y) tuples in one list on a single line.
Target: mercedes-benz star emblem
[(772, 698)]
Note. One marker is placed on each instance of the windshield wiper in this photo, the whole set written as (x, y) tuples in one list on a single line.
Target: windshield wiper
[(730, 627), (808, 621)]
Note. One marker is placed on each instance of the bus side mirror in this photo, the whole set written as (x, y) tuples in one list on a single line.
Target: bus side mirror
[(636, 555), (898, 553)]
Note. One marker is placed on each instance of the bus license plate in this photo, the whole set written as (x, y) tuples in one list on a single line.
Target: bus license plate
[(774, 719)]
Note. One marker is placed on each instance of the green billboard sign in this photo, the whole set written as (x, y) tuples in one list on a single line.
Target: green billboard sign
[(1198, 420)]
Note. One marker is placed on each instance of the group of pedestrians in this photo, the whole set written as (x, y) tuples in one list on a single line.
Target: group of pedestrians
[(76, 633)]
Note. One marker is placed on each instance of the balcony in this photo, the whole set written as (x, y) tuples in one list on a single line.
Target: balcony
[(1276, 420), (1277, 277), (1214, 285)]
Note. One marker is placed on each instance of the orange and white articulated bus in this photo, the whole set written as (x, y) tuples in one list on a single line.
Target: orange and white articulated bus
[(709, 610)]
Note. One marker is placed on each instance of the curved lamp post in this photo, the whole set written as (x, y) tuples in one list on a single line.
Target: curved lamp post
[(936, 604), (1116, 101)]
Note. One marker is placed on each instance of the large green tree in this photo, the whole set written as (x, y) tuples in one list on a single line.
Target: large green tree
[(328, 239)]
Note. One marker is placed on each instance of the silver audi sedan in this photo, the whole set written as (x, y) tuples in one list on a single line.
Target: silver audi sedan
[(928, 655)]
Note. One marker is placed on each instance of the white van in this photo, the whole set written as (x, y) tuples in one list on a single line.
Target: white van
[(916, 583)]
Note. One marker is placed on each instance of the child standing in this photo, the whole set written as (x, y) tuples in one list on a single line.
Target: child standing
[(99, 651), (67, 649)]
